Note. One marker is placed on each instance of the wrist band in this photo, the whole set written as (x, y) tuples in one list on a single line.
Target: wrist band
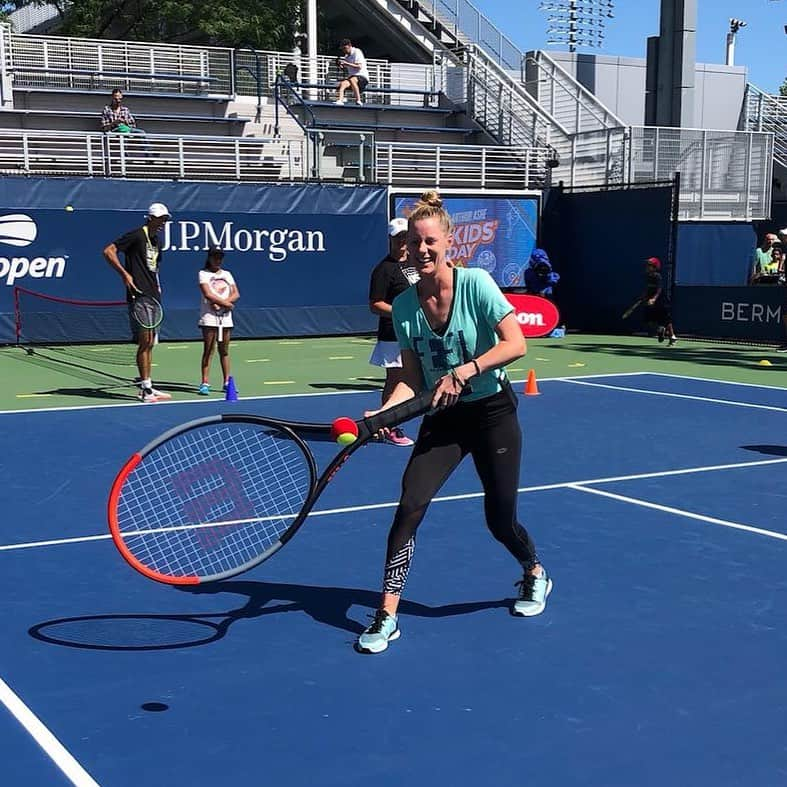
[(477, 367), (457, 378)]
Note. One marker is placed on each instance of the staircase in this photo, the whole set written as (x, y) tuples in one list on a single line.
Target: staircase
[(765, 112)]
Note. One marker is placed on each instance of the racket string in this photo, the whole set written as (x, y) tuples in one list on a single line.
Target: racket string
[(213, 498)]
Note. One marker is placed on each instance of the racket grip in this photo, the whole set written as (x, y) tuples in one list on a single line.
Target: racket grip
[(416, 406)]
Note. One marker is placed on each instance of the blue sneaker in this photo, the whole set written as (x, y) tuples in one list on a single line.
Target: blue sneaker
[(533, 592), (384, 629), (204, 389)]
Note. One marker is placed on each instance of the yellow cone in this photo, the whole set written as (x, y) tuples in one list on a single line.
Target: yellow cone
[(764, 362)]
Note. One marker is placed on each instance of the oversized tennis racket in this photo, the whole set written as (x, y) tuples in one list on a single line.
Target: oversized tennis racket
[(147, 311), (217, 496), (631, 309), (221, 289)]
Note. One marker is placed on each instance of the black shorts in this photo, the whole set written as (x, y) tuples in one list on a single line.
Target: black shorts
[(660, 312), (362, 82)]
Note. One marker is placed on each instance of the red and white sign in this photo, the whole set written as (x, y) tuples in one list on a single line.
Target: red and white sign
[(536, 316)]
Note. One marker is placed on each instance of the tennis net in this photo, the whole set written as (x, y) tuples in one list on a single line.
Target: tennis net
[(50, 321)]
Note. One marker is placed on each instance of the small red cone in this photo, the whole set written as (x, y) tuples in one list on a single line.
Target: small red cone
[(531, 387)]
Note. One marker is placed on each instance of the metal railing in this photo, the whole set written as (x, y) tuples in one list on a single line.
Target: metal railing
[(504, 108), (154, 156), (593, 158), (766, 112), (566, 99), (723, 174), (468, 25), (320, 155), (461, 166), (94, 64), (55, 153), (342, 155), (90, 64)]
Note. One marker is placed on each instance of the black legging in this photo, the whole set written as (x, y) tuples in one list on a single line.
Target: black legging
[(489, 431)]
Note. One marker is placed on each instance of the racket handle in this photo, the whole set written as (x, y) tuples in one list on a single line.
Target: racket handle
[(416, 406)]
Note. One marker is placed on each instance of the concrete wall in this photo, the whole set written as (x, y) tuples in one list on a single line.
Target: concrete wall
[(619, 83)]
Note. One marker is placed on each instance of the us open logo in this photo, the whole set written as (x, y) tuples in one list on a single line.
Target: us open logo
[(18, 229)]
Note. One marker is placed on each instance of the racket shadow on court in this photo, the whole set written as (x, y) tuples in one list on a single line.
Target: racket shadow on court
[(771, 450), (149, 632)]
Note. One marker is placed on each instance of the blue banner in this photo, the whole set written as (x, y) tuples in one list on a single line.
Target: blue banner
[(712, 254), (746, 313), (496, 233), (302, 264)]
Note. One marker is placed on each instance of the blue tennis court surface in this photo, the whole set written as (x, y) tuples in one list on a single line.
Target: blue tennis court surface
[(657, 504)]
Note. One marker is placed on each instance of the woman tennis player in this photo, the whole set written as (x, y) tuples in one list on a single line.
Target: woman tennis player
[(219, 293), (457, 332)]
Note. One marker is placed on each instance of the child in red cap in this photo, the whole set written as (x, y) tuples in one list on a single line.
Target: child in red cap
[(658, 311)]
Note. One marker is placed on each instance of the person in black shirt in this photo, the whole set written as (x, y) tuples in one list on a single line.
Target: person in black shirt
[(391, 276), (658, 310), (140, 274)]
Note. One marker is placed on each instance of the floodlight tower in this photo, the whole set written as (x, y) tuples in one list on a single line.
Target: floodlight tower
[(735, 26), (577, 22)]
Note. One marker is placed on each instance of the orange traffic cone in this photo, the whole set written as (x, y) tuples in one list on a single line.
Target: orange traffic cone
[(531, 387)]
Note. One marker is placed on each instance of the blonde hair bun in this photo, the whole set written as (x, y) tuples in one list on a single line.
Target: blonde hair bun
[(431, 199)]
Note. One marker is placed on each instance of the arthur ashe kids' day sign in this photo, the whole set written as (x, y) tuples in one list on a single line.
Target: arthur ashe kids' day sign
[(497, 234)]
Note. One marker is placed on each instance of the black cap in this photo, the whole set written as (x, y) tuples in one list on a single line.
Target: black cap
[(215, 251)]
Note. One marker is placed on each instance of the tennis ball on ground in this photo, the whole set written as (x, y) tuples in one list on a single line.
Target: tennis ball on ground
[(344, 431), (70, 208)]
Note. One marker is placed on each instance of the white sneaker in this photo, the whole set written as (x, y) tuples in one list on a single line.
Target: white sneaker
[(147, 396), (161, 395), (359, 102), (533, 592), (340, 101)]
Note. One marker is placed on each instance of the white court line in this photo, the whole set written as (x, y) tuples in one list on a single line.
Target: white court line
[(442, 499), (202, 401), (679, 512), (716, 380), (55, 750), (668, 394)]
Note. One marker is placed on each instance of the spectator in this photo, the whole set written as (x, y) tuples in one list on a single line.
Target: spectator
[(356, 75), (778, 256), (539, 276), (764, 271), (117, 118), (390, 277)]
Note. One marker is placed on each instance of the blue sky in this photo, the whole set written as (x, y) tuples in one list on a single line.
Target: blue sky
[(761, 46)]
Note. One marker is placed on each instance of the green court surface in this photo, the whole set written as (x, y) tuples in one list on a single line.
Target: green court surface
[(95, 375)]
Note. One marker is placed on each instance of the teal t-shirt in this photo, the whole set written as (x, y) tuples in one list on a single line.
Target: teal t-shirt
[(477, 308)]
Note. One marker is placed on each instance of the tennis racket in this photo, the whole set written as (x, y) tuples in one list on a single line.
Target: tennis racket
[(147, 311), (221, 289), (217, 496), (626, 314)]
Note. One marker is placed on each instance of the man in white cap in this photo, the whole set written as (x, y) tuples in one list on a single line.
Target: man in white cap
[(140, 273), (391, 276)]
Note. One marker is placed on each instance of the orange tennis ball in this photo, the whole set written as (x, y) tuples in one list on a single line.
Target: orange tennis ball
[(344, 431)]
